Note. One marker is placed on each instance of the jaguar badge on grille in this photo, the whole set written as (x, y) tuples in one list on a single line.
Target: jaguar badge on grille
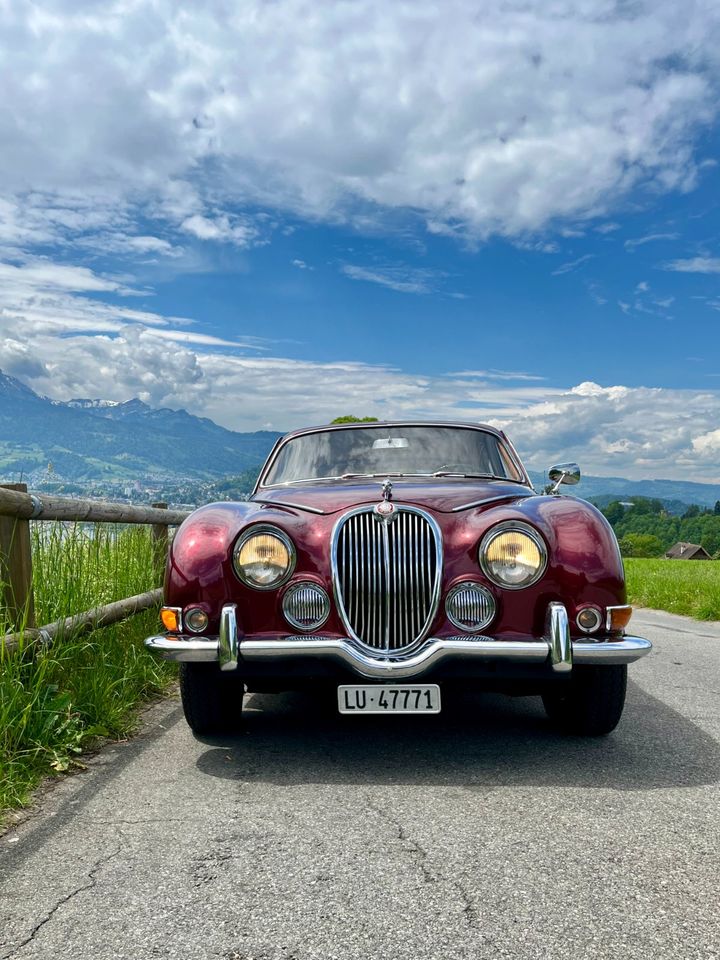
[(385, 511)]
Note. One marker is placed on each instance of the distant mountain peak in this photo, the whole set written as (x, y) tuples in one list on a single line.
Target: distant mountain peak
[(12, 387), (85, 403)]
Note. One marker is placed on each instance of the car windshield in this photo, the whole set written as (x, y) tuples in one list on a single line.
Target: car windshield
[(392, 450)]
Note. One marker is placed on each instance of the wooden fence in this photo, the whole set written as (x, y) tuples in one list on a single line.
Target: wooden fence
[(17, 509)]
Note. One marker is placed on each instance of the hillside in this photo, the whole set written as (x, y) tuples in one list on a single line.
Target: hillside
[(675, 494), (99, 440)]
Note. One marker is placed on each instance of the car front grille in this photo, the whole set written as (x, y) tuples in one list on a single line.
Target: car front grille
[(387, 576)]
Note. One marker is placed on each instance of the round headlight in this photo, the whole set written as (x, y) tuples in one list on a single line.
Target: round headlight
[(513, 555), (264, 558), (306, 606), (470, 606)]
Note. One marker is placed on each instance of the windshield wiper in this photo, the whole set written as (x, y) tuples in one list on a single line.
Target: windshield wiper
[(477, 476)]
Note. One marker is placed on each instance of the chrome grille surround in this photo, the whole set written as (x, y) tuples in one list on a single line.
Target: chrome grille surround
[(387, 577)]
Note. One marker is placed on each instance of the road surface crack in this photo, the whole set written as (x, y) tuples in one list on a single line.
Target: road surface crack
[(411, 846), (87, 885), (422, 858)]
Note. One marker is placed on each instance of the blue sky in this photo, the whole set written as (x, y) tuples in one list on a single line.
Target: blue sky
[(273, 213)]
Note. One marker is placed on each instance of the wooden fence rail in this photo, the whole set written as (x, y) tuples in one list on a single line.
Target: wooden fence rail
[(17, 509)]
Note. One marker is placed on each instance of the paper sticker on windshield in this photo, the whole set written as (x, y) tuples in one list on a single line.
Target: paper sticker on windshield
[(390, 443)]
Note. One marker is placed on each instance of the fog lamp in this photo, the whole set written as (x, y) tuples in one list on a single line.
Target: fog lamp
[(470, 606), (196, 620), (306, 605), (589, 619)]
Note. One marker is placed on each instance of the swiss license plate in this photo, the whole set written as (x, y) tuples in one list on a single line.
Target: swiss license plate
[(389, 698)]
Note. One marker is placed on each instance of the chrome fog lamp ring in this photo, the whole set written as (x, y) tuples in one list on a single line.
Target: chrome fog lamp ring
[(589, 619), (470, 606), (195, 619), (306, 605)]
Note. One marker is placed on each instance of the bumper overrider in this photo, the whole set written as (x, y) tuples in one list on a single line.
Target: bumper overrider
[(555, 648)]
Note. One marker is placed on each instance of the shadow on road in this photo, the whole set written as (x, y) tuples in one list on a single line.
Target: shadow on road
[(478, 740)]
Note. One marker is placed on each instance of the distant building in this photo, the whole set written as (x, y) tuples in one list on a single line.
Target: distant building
[(687, 551)]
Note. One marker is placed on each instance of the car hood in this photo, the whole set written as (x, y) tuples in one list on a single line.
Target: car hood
[(444, 495)]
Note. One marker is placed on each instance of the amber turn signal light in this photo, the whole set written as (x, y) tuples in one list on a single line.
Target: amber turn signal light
[(170, 617), (618, 618)]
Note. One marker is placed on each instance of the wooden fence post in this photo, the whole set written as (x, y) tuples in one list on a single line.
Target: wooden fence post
[(16, 566), (159, 535)]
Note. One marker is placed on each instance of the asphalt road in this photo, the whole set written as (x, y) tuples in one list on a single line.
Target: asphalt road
[(479, 833)]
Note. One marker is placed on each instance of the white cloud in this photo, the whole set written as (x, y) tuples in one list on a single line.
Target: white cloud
[(707, 445), (695, 265), (501, 118), (650, 238), (402, 279), (220, 228), (572, 265)]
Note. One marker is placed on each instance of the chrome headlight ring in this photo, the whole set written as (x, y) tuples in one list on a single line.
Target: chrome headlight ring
[(512, 526), (264, 529)]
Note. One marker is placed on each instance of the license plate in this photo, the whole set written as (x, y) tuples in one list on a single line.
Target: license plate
[(389, 698)]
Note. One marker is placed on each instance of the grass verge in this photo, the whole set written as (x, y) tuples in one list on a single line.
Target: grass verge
[(55, 703), (689, 587)]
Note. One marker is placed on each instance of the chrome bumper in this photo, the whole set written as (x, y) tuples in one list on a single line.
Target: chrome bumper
[(555, 648)]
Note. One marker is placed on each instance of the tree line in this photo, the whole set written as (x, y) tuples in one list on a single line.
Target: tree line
[(644, 527)]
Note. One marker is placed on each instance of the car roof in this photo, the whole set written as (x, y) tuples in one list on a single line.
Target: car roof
[(394, 423)]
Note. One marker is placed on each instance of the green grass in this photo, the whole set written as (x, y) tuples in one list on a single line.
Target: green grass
[(53, 705), (690, 587)]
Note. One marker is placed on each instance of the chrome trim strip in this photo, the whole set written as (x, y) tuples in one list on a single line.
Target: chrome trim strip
[(183, 649), (287, 503), (228, 639), (481, 503), (557, 631)]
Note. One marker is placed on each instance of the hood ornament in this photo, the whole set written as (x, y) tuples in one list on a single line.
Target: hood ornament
[(385, 510)]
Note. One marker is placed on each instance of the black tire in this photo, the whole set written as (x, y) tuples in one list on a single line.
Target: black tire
[(591, 703), (212, 700)]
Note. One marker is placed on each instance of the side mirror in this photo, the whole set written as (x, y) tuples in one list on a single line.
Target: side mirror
[(563, 473)]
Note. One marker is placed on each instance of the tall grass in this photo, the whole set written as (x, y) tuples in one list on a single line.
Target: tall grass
[(57, 701), (690, 587)]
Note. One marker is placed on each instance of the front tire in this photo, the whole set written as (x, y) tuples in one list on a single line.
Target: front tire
[(212, 700), (592, 701)]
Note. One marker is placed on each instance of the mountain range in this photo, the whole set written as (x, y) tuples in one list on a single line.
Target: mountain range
[(90, 439)]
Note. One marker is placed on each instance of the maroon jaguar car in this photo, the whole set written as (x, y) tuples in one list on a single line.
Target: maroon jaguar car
[(395, 560)]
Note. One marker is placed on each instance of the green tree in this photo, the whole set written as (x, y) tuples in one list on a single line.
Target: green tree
[(640, 545), (614, 512), (350, 419)]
